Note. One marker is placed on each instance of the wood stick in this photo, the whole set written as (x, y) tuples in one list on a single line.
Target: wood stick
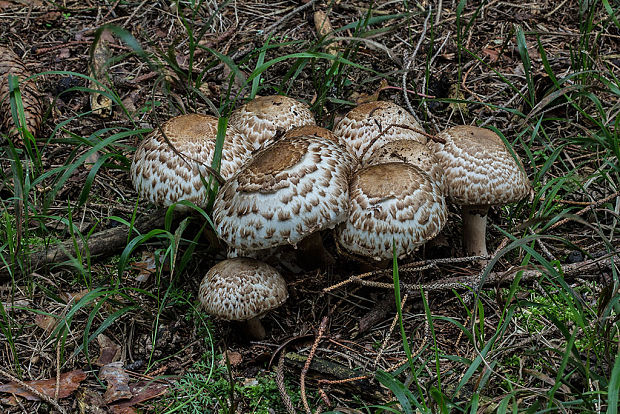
[(102, 243)]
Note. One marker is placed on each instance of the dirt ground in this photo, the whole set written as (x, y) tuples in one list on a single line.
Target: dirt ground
[(57, 37)]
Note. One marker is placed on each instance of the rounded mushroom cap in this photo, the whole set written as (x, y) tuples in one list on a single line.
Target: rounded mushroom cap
[(312, 131), (287, 191), (240, 289), (410, 152), (260, 119), (478, 168), (370, 125), (391, 202), (163, 176)]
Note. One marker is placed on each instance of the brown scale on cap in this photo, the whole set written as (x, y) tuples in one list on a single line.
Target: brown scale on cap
[(312, 131), (392, 201), (242, 289), (269, 171), (164, 177), (289, 190), (480, 172), (410, 152), (370, 125), (260, 119)]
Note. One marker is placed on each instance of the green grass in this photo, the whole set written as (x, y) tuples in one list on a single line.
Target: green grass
[(572, 329)]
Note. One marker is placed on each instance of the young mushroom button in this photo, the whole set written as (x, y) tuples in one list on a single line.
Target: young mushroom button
[(391, 203), (291, 189), (370, 125), (242, 289), (480, 172), (260, 119), (171, 167)]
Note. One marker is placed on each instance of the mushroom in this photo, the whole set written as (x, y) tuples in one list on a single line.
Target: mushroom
[(392, 203), (313, 131), (170, 167), (295, 187), (260, 119), (370, 125), (242, 289), (480, 172), (410, 152)]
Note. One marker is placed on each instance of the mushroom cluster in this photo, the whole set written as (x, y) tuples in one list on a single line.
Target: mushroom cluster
[(376, 182)]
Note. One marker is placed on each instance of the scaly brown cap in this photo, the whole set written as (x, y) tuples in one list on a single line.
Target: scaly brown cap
[(289, 190), (164, 177), (240, 289), (312, 131), (478, 168), (367, 127), (410, 152), (391, 202), (260, 119)]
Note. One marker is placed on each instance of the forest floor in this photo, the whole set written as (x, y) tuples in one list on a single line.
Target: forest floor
[(115, 326)]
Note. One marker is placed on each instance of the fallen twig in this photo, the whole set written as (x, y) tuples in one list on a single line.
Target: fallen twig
[(304, 370), (102, 243), (33, 391)]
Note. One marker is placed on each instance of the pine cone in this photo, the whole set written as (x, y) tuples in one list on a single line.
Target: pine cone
[(33, 107)]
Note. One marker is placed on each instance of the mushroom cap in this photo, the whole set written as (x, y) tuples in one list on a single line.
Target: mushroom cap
[(361, 130), (260, 119), (313, 131), (241, 288), (478, 168), (292, 188), (391, 202), (164, 177), (410, 152)]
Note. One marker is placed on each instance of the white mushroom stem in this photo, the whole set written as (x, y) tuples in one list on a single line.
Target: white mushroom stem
[(474, 230), (255, 328)]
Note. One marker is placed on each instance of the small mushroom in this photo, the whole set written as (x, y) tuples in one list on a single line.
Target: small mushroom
[(370, 125), (260, 119), (392, 203), (479, 172), (410, 152), (293, 188), (242, 289), (167, 169)]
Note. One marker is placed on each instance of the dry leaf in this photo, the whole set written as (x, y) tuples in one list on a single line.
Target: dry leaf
[(364, 97), (99, 65), (118, 382), (109, 351), (11, 64), (69, 382), (142, 391), (491, 53), (91, 160), (147, 266), (46, 322), (74, 296), (324, 30)]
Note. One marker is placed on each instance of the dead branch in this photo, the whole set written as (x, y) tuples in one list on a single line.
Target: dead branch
[(100, 244)]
